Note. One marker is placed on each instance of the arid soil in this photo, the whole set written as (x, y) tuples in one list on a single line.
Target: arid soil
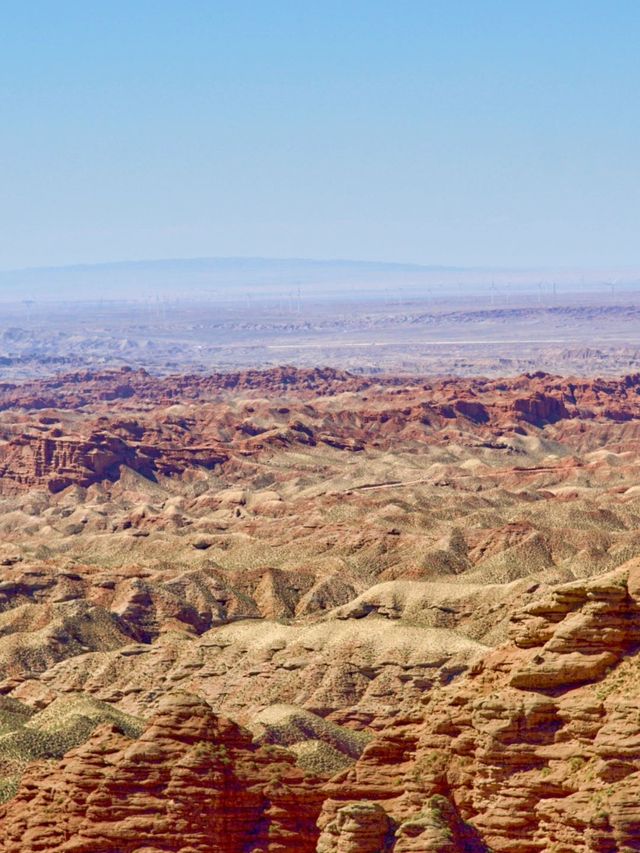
[(304, 610), (489, 330)]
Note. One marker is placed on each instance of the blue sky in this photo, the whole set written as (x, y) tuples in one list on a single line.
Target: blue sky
[(445, 132)]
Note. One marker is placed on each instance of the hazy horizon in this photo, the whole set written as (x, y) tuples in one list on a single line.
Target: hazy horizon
[(320, 261), (339, 280)]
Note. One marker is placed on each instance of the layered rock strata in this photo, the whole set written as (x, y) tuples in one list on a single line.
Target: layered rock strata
[(537, 750), (101, 438), (193, 782)]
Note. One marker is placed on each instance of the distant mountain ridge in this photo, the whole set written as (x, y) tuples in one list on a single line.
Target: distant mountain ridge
[(193, 277), (229, 277)]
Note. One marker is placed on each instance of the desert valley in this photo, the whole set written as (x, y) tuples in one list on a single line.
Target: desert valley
[(301, 609)]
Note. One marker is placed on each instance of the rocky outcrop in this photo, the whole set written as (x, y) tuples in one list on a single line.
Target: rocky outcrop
[(191, 783), (537, 750), (102, 437), (57, 461), (540, 408), (85, 388)]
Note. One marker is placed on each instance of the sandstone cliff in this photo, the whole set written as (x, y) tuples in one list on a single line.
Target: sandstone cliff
[(538, 749)]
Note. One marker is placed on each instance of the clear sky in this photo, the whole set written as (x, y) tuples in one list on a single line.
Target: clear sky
[(457, 132)]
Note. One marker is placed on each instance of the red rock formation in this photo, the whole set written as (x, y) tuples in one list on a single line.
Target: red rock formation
[(192, 783), (118, 417), (537, 750), (74, 390), (540, 409), (538, 396)]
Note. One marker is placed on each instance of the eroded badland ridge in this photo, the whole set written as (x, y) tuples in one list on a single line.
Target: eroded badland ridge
[(304, 610)]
